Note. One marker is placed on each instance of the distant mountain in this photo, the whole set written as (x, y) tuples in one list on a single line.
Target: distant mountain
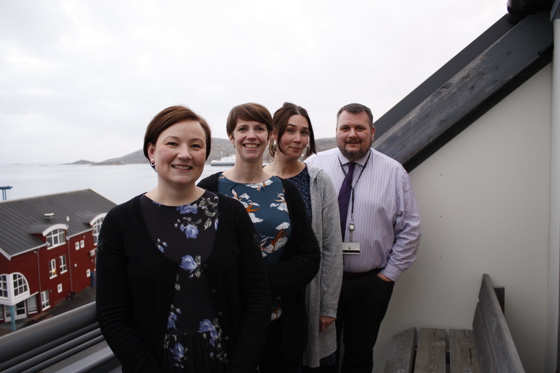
[(220, 148), (83, 161)]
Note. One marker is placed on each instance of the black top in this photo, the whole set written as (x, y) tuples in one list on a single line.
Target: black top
[(136, 284)]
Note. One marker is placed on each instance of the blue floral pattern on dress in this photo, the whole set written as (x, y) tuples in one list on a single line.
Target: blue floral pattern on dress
[(192, 265), (211, 331), (173, 315), (194, 218), (161, 245)]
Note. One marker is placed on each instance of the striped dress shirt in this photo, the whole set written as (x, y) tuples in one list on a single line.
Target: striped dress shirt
[(386, 217)]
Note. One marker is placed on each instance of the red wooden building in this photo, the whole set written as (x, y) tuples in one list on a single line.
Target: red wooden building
[(47, 250)]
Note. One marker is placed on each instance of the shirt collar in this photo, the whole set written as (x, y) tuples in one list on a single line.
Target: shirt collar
[(362, 161)]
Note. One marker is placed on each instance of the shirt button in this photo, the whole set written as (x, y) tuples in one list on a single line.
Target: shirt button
[(213, 291), (220, 314), (227, 338)]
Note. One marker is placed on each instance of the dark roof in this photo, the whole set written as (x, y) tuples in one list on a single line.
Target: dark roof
[(19, 219), (465, 88)]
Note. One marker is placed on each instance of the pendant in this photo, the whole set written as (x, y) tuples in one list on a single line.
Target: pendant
[(351, 227)]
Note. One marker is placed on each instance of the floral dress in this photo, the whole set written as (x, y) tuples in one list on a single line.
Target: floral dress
[(185, 234), (266, 205)]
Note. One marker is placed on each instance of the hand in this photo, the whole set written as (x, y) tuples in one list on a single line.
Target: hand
[(383, 277), (325, 321)]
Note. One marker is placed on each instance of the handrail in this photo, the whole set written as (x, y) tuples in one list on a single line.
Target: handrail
[(54, 340)]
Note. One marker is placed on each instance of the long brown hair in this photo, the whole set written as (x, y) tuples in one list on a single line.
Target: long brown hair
[(281, 120)]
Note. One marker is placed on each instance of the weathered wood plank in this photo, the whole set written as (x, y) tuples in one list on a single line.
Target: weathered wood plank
[(463, 357), (430, 357), (450, 109), (502, 347), (482, 344), (401, 355)]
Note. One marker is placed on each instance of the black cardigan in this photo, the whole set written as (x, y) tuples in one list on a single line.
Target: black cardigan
[(135, 286), (297, 266)]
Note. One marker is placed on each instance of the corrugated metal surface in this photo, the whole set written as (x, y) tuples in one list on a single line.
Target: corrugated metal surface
[(20, 217)]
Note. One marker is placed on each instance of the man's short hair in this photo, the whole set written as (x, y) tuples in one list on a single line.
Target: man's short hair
[(356, 109)]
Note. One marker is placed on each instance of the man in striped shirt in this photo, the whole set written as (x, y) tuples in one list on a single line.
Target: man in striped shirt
[(381, 231)]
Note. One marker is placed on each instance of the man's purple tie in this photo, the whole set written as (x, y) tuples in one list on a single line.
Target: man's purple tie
[(344, 196)]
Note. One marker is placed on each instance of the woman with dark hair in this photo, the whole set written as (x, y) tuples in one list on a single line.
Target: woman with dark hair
[(292, 139), (288, 245), (181, 285)]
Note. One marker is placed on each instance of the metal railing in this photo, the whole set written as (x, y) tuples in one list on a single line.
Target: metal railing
[(70, 342)]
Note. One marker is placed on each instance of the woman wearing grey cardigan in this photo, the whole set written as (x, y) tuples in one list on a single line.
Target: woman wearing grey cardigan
[(292, 135)]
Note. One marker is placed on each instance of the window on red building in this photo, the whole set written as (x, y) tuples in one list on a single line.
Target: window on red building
[(20, 285), (52, 268), (56, 237), (3, 286), (63, 264), (45, 301), (96, 229)]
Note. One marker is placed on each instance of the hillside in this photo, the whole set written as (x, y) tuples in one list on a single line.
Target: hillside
[(220, 148)]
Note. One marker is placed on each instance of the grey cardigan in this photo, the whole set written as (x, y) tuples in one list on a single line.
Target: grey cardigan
[(322, 292)]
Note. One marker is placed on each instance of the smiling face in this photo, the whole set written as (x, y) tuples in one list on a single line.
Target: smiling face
[(179, 154), (294, 139), (354, 135), (249, 139)]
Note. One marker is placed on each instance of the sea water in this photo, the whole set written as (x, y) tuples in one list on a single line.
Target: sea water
[(117, 183)]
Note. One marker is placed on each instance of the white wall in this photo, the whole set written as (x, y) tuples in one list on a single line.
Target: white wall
[(484, 201)]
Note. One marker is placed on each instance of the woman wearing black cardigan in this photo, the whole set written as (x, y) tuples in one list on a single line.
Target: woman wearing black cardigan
[(290, 249), (181, 285)]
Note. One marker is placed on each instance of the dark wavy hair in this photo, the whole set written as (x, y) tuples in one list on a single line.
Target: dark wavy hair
[(281, 120)]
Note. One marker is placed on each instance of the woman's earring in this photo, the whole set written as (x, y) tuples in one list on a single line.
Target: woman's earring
[(152, 163)]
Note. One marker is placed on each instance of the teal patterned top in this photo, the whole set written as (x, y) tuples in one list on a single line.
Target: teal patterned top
[(265, 203)]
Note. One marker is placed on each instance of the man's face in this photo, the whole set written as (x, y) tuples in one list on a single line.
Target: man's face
[(354, 135)]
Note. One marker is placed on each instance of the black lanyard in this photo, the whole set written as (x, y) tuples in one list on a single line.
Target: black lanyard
[(356, 183)]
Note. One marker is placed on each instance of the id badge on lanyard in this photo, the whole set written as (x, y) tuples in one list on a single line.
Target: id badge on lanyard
[(351, 248)]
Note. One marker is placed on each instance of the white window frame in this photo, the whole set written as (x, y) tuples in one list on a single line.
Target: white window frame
[(63, 266), (77, 245), (45, 300), (59, 288), (56, 237), (88, 272), (96, 228), (52, 268), (82, 244), (4, 286), (21, 309), (20, 284)]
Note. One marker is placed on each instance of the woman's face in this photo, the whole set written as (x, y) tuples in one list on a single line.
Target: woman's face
[(249, 138), (179, 153), (294, 139)]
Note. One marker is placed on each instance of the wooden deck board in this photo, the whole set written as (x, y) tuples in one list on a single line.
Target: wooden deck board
[(432, 348), (401, 356), (463, 355)]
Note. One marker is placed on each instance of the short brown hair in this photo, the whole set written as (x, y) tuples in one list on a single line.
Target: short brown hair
[(250, 112), (280, 122), (170, 116), (356, 109)]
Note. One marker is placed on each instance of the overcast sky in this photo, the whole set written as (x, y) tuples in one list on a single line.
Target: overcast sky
[(81, 79)]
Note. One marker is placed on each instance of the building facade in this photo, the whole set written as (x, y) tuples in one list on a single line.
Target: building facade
[(47, 250)]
